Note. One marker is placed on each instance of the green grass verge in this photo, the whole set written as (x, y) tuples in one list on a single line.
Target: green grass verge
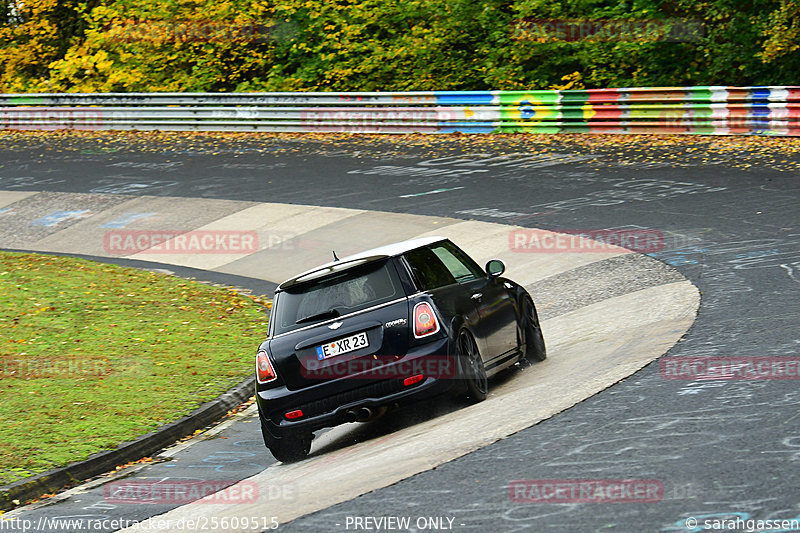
[(92, 355)]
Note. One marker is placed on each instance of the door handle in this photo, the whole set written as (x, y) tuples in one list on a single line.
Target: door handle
[(477, 296)]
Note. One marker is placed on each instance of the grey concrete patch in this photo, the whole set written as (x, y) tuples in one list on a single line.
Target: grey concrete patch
[(36, 217), (599, 281)]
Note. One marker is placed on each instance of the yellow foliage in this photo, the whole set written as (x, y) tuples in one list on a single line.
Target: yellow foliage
[(782, 32), (573, 81)]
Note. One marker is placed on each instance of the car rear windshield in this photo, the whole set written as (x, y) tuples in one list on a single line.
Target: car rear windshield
[(336, 295)]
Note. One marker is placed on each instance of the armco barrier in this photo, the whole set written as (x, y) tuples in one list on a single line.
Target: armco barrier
[(699, 110)]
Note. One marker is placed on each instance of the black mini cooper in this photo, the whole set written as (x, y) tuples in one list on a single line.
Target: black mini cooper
[(398, 323)]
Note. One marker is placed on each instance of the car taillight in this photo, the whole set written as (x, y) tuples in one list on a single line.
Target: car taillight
[(425, 322), (413, 380), (264, 371)]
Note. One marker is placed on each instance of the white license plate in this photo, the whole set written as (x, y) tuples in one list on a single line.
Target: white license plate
[(340, 346)]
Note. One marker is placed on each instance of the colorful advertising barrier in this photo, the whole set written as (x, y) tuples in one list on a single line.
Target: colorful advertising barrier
[(699, 110)]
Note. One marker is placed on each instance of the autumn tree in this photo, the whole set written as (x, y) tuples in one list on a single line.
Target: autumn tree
[(349, 45)]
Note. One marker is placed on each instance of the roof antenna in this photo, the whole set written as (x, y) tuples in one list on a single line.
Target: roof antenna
[(334, 255)]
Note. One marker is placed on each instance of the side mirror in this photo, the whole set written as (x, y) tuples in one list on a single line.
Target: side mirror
[(495, 267)]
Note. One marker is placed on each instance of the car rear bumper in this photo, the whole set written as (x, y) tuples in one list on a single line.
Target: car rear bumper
[(337, 401)]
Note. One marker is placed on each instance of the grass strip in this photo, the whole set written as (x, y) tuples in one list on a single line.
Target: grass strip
[(93, 354)]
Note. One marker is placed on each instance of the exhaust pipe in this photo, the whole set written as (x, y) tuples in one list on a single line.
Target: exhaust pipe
[(363, 414)]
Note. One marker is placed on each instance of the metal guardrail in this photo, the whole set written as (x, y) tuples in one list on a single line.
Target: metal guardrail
[(699, 110)]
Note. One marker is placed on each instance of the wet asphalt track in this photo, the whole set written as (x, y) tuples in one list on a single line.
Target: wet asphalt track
[(720, 449)]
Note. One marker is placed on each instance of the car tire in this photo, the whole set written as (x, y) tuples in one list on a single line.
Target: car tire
[(471, 370), (533, 346), (288, 449)]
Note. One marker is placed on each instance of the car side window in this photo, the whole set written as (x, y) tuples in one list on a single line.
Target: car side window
[(456, 262), (428, 269)]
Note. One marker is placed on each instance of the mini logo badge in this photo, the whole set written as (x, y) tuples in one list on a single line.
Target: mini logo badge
[(335, 325), (398, 322)]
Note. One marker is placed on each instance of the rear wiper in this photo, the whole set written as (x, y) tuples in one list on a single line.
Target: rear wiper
[(330, 313)]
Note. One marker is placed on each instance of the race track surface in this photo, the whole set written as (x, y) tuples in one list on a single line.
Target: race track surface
[(718, 448)]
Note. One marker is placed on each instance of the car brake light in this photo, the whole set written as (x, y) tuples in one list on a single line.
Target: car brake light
[(425, 322), (264, 371), (412, 380), (291, 415)]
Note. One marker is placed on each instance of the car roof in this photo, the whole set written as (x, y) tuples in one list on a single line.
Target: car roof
[(350, 261)]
